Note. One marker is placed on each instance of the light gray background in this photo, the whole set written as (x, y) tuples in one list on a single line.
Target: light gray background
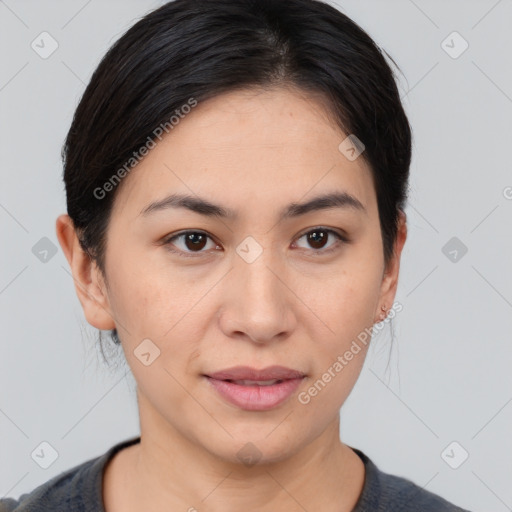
[(449, 377)]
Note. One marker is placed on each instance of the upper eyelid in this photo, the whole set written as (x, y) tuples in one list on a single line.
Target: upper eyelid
[(337, 231)]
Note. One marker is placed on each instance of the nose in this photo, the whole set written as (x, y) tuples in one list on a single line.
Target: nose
[(258, 302)]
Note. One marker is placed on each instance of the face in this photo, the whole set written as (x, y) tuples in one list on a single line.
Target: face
[(257, 288)]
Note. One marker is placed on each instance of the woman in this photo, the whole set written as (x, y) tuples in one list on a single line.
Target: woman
[(236, 176)]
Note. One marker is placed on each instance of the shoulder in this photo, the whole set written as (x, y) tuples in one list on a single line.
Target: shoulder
[(383, 491), (78, 488), (56, 494), (45, 495)]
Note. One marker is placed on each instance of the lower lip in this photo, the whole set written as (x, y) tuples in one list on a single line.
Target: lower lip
[(255, 398)]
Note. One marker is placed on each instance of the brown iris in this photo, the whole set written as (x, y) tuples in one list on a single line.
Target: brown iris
[(197, 241), (317, 237)]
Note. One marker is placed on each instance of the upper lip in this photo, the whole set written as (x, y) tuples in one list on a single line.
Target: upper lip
[(248, 373)]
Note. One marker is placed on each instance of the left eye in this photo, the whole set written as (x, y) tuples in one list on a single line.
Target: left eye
[(195, 241), (318, 236)]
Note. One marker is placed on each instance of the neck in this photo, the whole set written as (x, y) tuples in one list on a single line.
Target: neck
[(169, 471)]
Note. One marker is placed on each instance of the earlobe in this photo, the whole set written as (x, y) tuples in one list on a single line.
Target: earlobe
[(88, 280)]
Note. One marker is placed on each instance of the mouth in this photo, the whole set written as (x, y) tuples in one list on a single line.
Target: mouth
[(246, 373), (256, 390), (255, 382)]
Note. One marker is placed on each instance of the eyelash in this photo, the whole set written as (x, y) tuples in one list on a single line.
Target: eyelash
[(318, 252)]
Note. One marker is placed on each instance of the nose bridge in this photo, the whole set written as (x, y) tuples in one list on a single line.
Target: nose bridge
[(256, 264), (258, 298), (259, 279)]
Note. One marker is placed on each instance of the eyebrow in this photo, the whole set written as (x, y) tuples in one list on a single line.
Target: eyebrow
[(204, 207)]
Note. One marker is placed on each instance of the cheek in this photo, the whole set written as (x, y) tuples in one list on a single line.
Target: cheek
[(338, 357), (349, 297), (137, 303), (346, 309), (158, 305)]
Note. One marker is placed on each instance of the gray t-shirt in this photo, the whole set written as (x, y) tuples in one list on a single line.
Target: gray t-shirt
[(79, 489)]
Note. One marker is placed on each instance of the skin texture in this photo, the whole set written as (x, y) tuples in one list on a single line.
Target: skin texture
[(254, 152)]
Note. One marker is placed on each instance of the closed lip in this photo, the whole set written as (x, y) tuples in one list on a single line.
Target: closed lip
[(248, 373)]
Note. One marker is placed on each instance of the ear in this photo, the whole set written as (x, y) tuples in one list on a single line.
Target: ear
[(89, 283), (390, 277)]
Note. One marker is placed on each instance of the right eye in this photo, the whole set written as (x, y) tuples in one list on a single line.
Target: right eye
[(192, 242)]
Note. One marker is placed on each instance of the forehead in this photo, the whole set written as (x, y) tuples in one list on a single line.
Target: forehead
[(266, 146)]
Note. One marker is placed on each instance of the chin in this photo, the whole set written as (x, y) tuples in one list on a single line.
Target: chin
[(254, 448)]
